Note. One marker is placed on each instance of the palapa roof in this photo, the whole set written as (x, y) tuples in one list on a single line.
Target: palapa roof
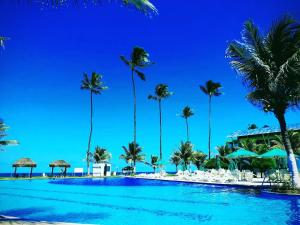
[(24, 162), (59, 163)]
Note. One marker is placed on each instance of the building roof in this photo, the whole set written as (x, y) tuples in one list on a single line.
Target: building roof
[(259, 131), (24, 162), (59, 163)]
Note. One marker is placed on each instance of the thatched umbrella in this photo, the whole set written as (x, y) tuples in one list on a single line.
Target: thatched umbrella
[(59, 163), (24, 162)]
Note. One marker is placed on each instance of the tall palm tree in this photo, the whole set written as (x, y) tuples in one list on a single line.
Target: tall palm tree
[(3, 129), (95, 86), (198, 159), (161, 92), (175, 159), (133, 154), (185, 153), (139, 59), (186, 113), (211, 89), (270, 66), (101, 154)]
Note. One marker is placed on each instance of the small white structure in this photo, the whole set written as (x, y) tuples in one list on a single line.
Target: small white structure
[(101, 169)]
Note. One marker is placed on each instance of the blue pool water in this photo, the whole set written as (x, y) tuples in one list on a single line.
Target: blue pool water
[(128, 201)]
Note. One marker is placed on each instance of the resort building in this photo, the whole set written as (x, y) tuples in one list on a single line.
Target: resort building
[(261, 135), (101, 169)]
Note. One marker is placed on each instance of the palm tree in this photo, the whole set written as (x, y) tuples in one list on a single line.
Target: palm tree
[(144, 6), (175, 159), (133, 154), (185, 153), (2, 41), (3, 129), (270, 66), (249, 144), (161, 92), (95, 86), (224, 150), (294, 139), (139, 59), (211, 89), (154, 160), (252, 126), (101, 154), (198, 159), (186, 113)]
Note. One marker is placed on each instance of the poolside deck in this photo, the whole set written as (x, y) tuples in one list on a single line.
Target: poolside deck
[(257, 183)]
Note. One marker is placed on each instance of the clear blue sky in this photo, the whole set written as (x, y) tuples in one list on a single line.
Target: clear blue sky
[(49, 50)]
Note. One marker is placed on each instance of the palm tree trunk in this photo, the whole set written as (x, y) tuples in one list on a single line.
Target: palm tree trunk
[(160, 129), (187, 130), (176, 168), (134, 107), (287, 144), (209, 125), (90, 136)]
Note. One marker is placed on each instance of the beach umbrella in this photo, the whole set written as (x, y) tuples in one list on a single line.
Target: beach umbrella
[(241, 153), (278, 154), (274, 153)]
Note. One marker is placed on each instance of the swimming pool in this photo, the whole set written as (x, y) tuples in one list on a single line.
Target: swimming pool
[(129, 201)]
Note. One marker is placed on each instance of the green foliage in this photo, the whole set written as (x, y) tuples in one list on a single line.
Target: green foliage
[(93, 84), (252, 126), (212, 164), (101, 154), (294, 137), (3, 129), (139, 59), (269, 65), (133, 154), (161, 92), (263, 165), (187, 112), (184, 154), (198, 159), (224, 150), (211, 88), (175, 159)]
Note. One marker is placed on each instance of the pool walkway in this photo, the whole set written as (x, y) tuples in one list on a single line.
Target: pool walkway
[(256, 183), (8, 220)]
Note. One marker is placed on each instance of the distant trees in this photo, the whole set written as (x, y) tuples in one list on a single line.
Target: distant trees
[(161, 92), (95, 86), (211, 89)]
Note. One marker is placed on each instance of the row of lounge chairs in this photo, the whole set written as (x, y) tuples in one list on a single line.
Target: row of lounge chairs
[(211, 176)]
